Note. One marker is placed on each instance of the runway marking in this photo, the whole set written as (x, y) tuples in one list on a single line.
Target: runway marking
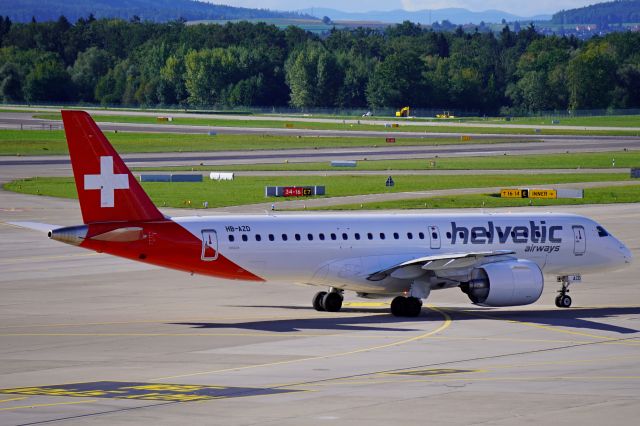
[(432, 372), (14, 399), (145, 391), (365, 304), (562, 362), (47, 405), (445, 325), (474, 379), (170, 321), (265, 334)]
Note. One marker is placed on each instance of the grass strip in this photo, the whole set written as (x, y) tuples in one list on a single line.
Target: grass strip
[(603, 195), (250, 189), (589, 160)]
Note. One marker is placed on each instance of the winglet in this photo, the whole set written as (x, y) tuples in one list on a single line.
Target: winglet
[(107, 190)]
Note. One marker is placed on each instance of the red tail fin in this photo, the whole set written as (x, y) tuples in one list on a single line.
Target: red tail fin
[(107, 190)]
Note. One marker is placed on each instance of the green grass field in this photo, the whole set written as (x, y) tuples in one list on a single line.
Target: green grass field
[(364, 126), (590, 160), (52, 142), (249, 190), (604, 120), (604, 195)]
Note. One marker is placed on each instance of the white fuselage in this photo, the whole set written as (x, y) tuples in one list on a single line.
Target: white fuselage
[(344, 250)]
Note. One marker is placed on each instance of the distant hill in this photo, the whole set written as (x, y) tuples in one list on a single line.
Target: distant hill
[(152, 10), (453, 15), (615, 12)]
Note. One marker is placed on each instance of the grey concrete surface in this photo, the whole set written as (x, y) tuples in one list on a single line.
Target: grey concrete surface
[(72, 316)]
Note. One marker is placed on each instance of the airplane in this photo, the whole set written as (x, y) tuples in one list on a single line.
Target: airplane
[(496, 259)]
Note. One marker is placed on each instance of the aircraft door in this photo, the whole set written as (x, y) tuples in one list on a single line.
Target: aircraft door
[(209, 245), (434, 236), (579, 240)]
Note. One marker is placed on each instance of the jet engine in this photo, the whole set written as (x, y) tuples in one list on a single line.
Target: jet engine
[(506, 283)]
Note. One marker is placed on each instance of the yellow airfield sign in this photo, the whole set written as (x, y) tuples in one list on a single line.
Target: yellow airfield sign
[(511, 193), (543, 193)]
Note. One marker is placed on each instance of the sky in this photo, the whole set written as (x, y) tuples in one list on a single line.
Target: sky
[(517, 7)]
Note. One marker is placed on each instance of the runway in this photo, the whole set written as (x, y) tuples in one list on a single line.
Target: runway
[(90, 339), (360, 153)]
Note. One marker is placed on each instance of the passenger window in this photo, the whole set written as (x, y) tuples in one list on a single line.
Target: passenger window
[(410, 235), (232, 238), (421, 235), (271, 237), (321, 237), (310, 237), (449, 235), (435, 235), (382, 237), (357, 236), (395, 235), (370, 235), (297, 237), (333, 236), (244, 237), (344, 236), (284, 237), (258, 237)]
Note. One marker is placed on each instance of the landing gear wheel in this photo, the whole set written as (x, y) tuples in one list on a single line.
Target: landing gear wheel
[(563, 301), (398, 306), (414, 307), (332, 302), (406, 306), (317, 300)]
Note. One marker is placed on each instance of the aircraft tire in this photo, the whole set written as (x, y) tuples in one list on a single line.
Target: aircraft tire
[(399, 306), (318, 301), (413, 307), (565, 301), (332, 302)]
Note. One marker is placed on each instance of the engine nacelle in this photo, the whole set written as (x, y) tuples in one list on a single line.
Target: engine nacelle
[(508, 283)]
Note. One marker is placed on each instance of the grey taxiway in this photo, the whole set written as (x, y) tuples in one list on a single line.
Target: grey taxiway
[(87, 338)]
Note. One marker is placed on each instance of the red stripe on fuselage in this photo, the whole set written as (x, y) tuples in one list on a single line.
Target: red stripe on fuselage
[(165, 243)]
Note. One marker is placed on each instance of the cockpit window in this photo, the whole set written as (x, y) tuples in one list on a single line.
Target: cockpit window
[(602, 232)]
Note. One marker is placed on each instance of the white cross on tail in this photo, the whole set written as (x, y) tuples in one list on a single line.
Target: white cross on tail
[(106, 182)]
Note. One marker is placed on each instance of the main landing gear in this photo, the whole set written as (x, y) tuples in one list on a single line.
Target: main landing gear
[(406, 306), (563, 300), (330, 301)]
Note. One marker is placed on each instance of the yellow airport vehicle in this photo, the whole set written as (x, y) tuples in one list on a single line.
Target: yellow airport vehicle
[(445, 114), (404, 112)]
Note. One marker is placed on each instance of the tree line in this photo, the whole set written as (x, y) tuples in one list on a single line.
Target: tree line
[(134, 63)]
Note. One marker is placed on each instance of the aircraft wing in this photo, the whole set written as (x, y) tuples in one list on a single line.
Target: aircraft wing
[(36, 226), (436, 263)]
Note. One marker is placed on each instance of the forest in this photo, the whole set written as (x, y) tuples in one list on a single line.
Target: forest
[(113, 62), (613, 12), (147, 10)]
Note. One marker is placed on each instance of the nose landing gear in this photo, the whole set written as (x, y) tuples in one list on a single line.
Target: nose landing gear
[(563, 300)]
